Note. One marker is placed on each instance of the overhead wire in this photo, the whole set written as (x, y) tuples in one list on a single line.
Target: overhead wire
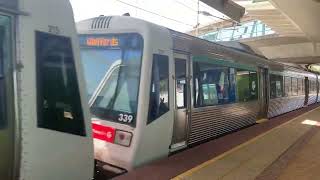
[(148, 11), (208, 8), (190, 8)]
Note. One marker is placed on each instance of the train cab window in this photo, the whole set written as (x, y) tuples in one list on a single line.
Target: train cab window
[(5, 56), (294, 85), (276, 86), (211, 84), (247, 86), (59, 103), (159, 90), (112, 75)]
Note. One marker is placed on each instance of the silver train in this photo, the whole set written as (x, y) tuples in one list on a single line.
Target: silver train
[(154, 91)]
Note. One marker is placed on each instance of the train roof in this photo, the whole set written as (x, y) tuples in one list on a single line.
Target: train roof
[(231, 49)]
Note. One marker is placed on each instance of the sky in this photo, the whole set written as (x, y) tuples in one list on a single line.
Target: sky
[(180, 15)]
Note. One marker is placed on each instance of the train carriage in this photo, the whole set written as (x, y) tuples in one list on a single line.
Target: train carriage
[(288, 90), (154, 91), (45, 131), (312, 93)]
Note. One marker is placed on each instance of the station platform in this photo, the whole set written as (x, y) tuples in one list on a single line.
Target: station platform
[(285, 147)]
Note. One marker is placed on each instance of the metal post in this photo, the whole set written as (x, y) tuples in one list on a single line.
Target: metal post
[(197, 26)]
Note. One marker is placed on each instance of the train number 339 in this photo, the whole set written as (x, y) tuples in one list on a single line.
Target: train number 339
[(125, 118)]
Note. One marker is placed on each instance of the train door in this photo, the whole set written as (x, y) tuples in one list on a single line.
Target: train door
[(306, 87), (182, 101), (6, 101), (317, 87), (264, 93)]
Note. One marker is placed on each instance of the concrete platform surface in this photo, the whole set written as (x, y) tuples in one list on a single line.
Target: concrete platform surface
[(289, 151)]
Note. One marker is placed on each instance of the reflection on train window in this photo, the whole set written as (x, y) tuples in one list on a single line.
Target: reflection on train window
[(159, 92), (119, 94), (294, 86), (247, 86), (181, 83), (96, 62), (5, 56), (59, 103), (211, 84), (276, 86)]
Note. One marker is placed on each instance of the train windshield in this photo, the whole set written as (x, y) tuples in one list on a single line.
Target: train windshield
[(112, 71)]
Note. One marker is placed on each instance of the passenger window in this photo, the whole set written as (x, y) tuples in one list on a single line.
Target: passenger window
[(181, 83), (5, 63), (3, 121), (211, 85), (276, 86), (304, 86), (287, 86), (313, 87), (59, 103), (300, 87), (247, 86), (159, 90), (310, 87), (294, 83)]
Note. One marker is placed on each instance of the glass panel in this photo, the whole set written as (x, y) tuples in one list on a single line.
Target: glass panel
[(112, 73), (7, 121), (211, 85), (181, 83), (300, 87), (11, 4), (247, 86), (287, 86), (312, 87), (5, 57), (303, 86), (59, 103), (159, 92), (294, 87), (96, 62), (6, 100), (276, 86), (3, 121)]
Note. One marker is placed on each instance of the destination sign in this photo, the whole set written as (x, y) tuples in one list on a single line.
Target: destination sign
[(113, 41), (102, 41)]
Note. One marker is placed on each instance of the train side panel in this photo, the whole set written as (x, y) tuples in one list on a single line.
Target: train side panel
[(52, 148)]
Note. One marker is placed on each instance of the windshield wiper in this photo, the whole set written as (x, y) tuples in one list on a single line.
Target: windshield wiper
[(116, 65)]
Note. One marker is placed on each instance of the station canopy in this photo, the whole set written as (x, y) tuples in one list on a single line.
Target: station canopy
[(296, 25)]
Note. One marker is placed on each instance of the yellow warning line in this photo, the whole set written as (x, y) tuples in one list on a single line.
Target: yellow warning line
[(197, 168), (261, 121)]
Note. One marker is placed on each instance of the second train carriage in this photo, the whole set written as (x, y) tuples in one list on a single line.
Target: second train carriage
[(154, 91)]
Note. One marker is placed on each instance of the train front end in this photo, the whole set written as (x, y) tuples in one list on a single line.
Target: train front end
[(112, 64), (117, 59)]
